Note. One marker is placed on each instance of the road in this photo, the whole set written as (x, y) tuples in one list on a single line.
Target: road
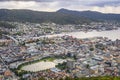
[(13, 74)]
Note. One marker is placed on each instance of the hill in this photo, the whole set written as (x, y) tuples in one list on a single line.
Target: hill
[(92, 15), (40, 17), (62, 16)]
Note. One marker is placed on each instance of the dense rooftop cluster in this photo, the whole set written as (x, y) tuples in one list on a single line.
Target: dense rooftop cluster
[(73, 57)]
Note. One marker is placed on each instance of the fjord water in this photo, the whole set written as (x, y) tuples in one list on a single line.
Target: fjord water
[(110, 34)]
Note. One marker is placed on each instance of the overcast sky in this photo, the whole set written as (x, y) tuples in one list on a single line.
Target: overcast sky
[(105, 6)]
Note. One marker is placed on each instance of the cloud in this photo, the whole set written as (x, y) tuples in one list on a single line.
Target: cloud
[(106, 6), (108, 3), (32, 5)]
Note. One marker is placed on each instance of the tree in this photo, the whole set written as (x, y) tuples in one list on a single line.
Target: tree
[(69, 78), (91, 49), (88, 67), (41, 78), (75, 57), (61, 79)]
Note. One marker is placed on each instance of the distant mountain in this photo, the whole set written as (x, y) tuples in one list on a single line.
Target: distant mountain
[(92, 15), (39, 17), (62, 16)]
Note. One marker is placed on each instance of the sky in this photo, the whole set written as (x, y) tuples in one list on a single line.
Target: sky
[(105, 6)]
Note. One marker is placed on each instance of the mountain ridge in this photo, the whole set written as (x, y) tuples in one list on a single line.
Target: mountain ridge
[(61, 16), (40, 17), (93, 14)]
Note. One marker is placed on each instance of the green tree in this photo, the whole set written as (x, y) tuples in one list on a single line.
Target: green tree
[(91, 49), (41, 78), (88, 67)]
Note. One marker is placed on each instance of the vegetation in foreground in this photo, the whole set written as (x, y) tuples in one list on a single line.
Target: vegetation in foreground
[(89, 78)]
